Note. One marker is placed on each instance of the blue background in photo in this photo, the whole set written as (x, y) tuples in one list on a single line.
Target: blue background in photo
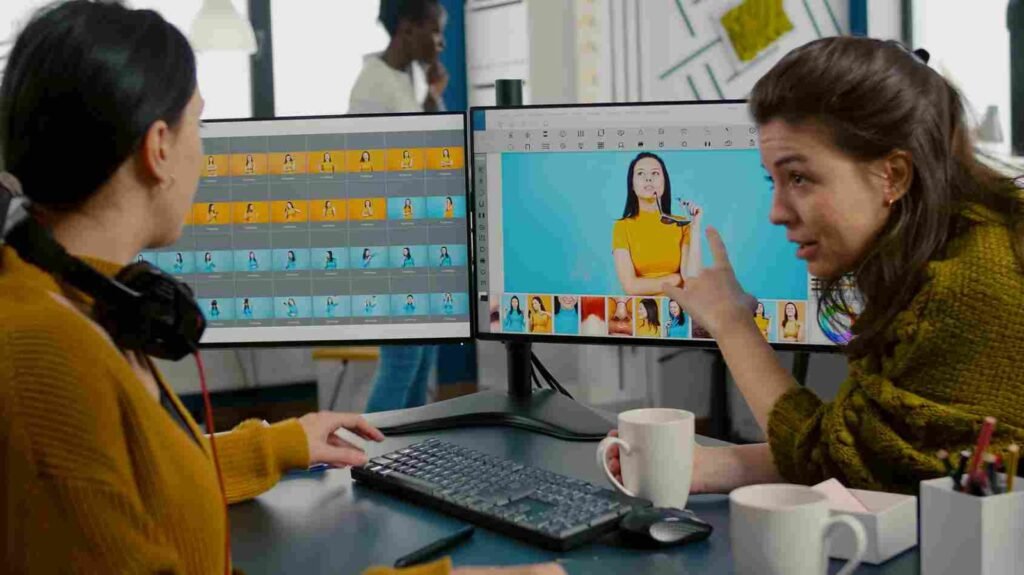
[(263, 260), (167, 260), (558, 211), (225, 305), (344, 308), (379, 261), (666, 321), (419, 256), (396, 206), (458, 253), (382, 308), (319, 258), (436, 205), (516, 327), (567, 321), (460, 304), (301, 259), (420, 300), (222, 262), (262, 308), (302, 303)]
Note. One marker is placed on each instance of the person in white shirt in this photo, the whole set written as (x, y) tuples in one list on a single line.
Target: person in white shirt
[(393, 80)]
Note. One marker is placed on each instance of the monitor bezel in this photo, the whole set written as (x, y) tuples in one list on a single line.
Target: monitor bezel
[(605, 340), (471, 262)]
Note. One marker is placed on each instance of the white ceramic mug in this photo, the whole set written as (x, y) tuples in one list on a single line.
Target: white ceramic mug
[(656, 455), (781, 529)]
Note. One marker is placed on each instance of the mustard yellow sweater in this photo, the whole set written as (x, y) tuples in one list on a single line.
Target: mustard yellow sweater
[(956, 357), (95, 476)]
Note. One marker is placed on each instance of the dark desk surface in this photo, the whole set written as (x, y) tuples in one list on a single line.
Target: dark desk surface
[(323, 523)]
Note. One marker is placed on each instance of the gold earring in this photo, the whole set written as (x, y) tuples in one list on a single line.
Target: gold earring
[(889, 202)]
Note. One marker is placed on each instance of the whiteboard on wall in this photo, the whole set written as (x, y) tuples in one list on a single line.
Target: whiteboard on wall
[(717, 49)]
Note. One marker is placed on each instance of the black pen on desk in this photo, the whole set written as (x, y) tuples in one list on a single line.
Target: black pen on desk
[(426, 553), (958, 477)]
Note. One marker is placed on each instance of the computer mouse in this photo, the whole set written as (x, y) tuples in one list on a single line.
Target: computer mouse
[(662, 527)]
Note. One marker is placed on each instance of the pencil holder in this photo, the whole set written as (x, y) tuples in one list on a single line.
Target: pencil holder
[(963, 533)]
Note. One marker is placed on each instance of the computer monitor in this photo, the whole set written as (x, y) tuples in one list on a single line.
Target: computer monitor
[(582, 212), (329, 230)]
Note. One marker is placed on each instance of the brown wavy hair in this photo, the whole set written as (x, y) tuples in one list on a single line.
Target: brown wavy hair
[(875, 97)]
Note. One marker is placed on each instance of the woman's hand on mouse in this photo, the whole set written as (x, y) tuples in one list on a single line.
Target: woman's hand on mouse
[(697, 482), (326, 447), (714, 298)]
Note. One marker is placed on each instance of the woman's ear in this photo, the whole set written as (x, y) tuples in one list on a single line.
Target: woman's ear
[(898, 168)]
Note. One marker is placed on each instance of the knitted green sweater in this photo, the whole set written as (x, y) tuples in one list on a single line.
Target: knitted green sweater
[(957, 357)]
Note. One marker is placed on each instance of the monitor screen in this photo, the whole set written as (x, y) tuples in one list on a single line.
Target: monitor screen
[(337, 229), (584, 212)]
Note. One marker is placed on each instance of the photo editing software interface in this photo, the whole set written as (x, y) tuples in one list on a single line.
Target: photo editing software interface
[(583, 213), (329, 229)]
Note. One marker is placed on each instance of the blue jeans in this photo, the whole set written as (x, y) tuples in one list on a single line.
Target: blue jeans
[(402, 377)]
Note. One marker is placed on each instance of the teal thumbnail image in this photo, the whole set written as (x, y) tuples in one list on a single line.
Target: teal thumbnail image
[(292, 307), (410, 304), (369, 258), (217, 309), (253, 261), (449, 304), (448, 256), (513, 313), (567, 315), (407, 208), (408, 256), (289, 260), (254, 308), (446, 207), (326, 307), (674, 320), (329, 259), (371, 305), (214, 262), (559, 210), (147, 257), (177, 263)]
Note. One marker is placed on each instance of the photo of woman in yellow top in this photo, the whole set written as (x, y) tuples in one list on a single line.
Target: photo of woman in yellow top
[(763, 321), (792, 327), (329, 210), (290, 211), (211, 166), (365, 165), (407, 209), (647, 322), (250, 164), (289, 164), (650, 246), (212, 214), (449, 208), (446, 159), (406, 160), (250, 214), (327, 165), (367, 209), (540, 319)]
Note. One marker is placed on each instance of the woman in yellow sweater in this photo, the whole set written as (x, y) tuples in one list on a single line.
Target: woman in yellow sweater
[(874, 175), (650, 246), (540, 318), (104, 471)]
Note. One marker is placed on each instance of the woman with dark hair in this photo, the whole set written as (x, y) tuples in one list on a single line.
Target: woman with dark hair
[(449, 208), (567, 314), (448, 304), (254, 264), (104, 470), (367, 209), (330, 262), (445, 260), (250, 213), (407, 259), (446, 158), (250, 165), (329, 210), (290, 211), (650, 246), (676, 326), (214, 309), (648, 324), (875, 178), (407, 209), (290, 261), (179, 263), (211, 166), (288, 166), (209, 266), (330, 306), (540, 319), (327, 164), (212, 214), (246, 308), (406, 160), (792, 327), (365, 164), (514, 320), (291, 308), (762, 320), (368, 256)]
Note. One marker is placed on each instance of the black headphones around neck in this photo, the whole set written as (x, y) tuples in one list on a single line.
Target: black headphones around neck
[(143, 308)]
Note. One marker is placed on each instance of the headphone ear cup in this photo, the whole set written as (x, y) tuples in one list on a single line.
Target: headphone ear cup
[(164, 321)]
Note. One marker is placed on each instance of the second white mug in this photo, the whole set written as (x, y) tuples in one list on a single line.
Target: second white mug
[(656, 455)]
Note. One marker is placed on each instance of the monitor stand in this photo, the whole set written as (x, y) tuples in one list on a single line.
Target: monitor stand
[(543, 411)]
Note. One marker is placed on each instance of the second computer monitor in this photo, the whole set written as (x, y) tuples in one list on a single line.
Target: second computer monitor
[(333, 230), (583, 212)]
